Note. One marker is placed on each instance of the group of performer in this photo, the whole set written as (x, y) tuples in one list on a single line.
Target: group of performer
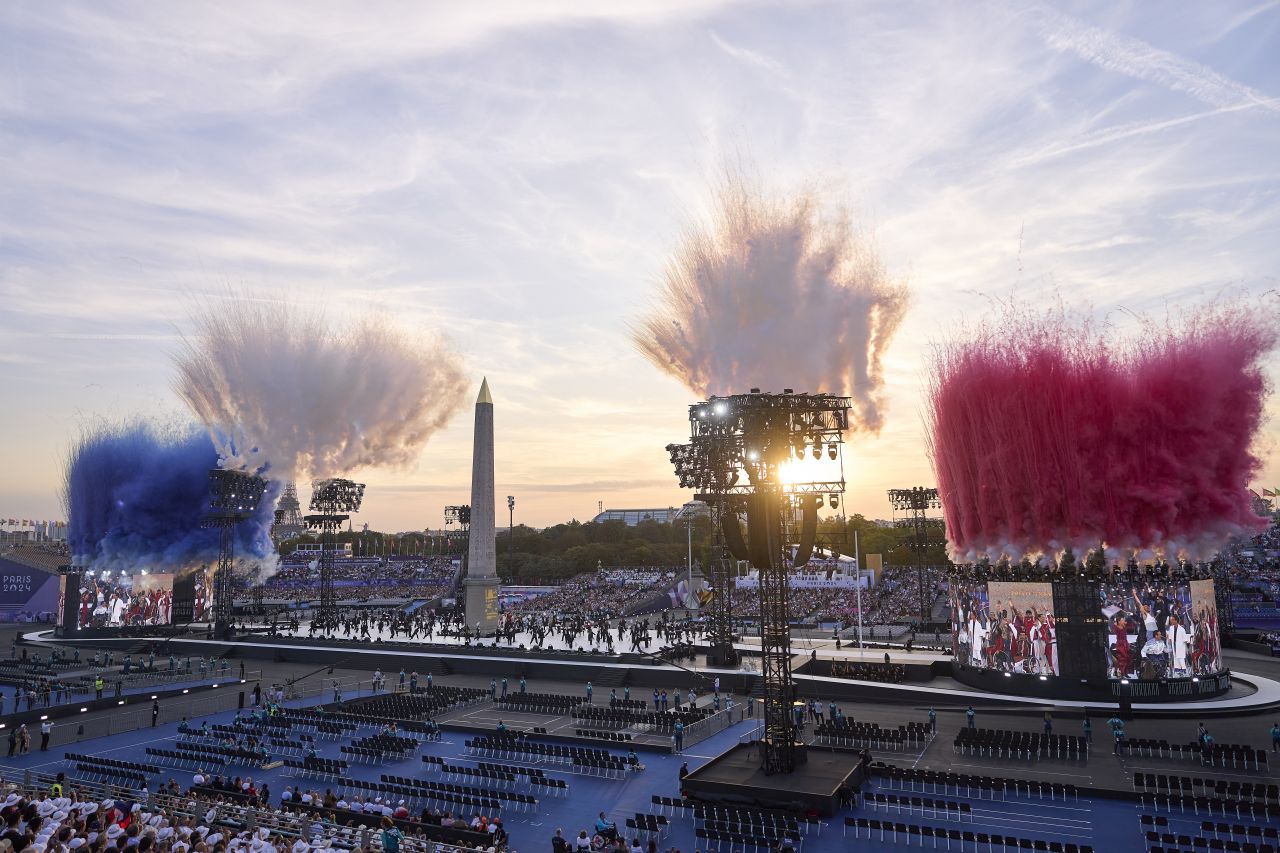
[(114, 604), (1156, 634), (1005, 639)]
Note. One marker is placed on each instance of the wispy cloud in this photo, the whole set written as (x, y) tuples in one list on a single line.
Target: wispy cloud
[(517, 173), (1137, 58)]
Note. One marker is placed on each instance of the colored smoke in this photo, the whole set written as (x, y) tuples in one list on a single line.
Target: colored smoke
[(135, 495), (280, 388), (772, 294), (1046, 435)]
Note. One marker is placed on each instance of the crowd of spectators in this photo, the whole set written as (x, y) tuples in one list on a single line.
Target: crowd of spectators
[(364, 578), (214, 819), (605, 594)]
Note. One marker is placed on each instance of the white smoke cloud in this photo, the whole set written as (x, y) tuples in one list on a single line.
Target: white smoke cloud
[(280, 386), (772, 294)]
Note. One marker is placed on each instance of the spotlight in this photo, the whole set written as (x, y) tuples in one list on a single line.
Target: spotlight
[(835, 500), (1008, 675), (752, 455), (1124, 681), (1044, 678), (721, 408), (832, 451), (816, 450)]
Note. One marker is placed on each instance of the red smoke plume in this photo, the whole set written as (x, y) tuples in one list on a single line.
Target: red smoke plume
[(1046, 435)]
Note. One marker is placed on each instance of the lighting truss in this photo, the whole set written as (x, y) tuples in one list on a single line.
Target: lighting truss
[(332, 502), (738, 452), (233, 497), (926, 532)]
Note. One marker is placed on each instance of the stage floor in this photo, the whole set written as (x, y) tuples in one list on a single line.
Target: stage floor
[(736, 776), (1251, 693)]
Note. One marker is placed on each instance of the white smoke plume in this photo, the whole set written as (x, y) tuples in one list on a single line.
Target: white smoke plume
[(771, 294), (280, 387)]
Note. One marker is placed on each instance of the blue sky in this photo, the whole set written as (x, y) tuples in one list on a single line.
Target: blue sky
[(517, 174)]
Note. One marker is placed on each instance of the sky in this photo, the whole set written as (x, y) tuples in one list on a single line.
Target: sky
[(518, 173)]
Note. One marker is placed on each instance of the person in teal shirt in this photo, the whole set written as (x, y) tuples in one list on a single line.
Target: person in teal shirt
[(391, 836)]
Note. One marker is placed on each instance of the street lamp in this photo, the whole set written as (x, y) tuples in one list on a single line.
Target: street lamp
[(511, 536)]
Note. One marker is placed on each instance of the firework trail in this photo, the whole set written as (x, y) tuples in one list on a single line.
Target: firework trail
[(135, 494), (280, 388), (771, 294), (1045, 434)]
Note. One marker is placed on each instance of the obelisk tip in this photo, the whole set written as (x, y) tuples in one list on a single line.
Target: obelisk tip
[(484, 397)]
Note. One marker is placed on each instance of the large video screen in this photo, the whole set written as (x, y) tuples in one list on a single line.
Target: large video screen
[(116, 601), (1161, 629), (1005, 626)]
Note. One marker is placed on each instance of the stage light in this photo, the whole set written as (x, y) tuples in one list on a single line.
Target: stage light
[(819, 501), (832, 452), (144, 571), (835, 500), (721, 408), (155, 697), (1194, 679), (44, 717), (1124, 681), (752, 455), (82, 710), (1043, 677), (121, 702), (816, 451), (1008, 675), (186, 691), (702, 413)]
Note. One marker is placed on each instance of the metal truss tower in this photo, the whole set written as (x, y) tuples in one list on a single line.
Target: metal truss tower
[(234, 496), (332, 501), (742, 454), (926, 532)]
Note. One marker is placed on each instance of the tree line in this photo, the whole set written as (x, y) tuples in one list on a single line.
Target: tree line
[(526, 555)]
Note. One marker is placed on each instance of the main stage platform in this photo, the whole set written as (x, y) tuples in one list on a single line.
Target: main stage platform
[(736, 778), (1250, 693)]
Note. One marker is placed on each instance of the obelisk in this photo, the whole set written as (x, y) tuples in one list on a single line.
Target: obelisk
[(482, 557)]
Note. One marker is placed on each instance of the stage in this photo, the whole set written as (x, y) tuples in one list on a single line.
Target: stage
[(735, 778), (1249, 692)]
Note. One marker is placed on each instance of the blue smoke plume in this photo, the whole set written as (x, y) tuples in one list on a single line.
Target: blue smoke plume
[(135, 495)]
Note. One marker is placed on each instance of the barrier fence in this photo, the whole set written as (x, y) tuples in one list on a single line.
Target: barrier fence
[(713, 725), (227, 696)]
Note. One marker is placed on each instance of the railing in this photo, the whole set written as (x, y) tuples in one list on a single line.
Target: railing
[(226, 697), (713, 725)]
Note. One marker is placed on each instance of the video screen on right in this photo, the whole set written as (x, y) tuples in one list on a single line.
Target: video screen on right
[(1161, 629)]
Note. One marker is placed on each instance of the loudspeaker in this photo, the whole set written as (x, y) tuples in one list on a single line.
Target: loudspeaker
[(733, 539), (808, 529), (1081, 630)]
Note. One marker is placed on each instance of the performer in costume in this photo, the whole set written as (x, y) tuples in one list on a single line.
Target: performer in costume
[(1122, 654)]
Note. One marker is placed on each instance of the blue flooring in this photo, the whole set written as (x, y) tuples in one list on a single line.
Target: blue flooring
[(1110, 826)]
